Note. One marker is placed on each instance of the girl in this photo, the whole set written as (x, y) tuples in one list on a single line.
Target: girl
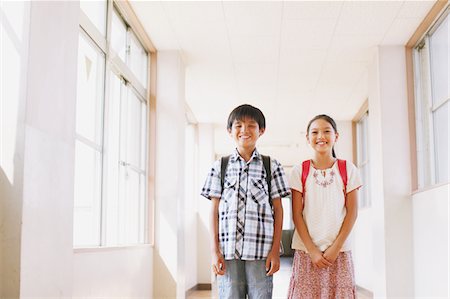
[(325, 206)]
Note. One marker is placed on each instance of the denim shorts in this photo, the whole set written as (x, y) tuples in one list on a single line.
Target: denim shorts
[(243, 278)]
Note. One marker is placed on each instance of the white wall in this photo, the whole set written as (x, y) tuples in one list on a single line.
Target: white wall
[(38, 149), (390, 175), (206, 159), (113, 272), (46, 249), (14, 60), (431, 242), (169, 259)]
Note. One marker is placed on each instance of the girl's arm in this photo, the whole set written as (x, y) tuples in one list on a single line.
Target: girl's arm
[(218, 261), (297, 215), (351, 205)]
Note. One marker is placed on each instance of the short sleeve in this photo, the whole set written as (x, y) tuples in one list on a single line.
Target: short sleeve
[(280, 185), (213, 187), (353, 177), (295, 179)]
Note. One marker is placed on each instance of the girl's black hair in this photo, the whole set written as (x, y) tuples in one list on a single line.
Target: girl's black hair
[(329, 120), (243, 111)]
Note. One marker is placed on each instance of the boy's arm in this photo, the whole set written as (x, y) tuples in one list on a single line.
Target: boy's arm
[(297, 215), (351, 205), (273, 259), (218, 261)]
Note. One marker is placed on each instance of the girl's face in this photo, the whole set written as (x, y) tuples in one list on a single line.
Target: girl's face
[(321, 136)]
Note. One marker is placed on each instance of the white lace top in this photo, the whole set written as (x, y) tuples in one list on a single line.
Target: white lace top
[(324, 209)]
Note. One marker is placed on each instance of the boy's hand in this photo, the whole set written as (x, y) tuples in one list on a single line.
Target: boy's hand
[(318, 259), (331, 254), (218, 264), (272, 263)]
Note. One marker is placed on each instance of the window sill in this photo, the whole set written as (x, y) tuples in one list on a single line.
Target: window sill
[(428, 188), (111, 248)]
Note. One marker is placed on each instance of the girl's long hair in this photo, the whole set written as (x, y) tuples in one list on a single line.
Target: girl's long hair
[(329, 120)]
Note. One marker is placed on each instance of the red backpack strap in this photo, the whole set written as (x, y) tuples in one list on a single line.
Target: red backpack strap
[(342, 165), (305, 171)]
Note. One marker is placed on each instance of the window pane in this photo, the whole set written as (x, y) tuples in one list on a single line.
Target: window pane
[(133, 130), (87, 192), (132, 207), (143, 165), (118, 36), (112, 135), (138, 60), (96, 12), (440, 67), (441, 139), (143, 209), (91, 64)]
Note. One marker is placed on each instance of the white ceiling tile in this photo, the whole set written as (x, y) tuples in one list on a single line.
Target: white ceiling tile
[(254, 49), (194, 11), (367, 17), (415, 9), (311, 9), (253, 18), (401, 31), (312, 33)]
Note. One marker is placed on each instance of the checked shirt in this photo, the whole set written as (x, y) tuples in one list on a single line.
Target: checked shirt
[(246, 222)]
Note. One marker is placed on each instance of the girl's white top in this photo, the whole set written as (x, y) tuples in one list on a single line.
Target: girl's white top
[(324, 206)]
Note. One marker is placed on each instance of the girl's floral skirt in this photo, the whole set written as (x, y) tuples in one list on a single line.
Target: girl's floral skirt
[(308, 281)]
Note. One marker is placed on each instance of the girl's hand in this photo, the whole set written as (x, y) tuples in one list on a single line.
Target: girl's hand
[(318, 259), (272, 262), (218, 263), (331, 254)]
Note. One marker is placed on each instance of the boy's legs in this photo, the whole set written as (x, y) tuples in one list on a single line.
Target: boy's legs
[(232, 284), (259, 285)]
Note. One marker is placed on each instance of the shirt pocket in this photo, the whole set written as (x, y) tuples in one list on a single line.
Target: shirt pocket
[(229, 188), (259, 191)]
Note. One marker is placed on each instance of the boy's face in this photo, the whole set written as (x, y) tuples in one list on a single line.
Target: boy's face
[(245, 133)]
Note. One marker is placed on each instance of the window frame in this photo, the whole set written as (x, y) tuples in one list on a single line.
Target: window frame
[(423, 106), (113, 65)]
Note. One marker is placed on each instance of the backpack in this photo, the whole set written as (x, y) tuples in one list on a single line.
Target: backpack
[(342, 165), (266, 163)]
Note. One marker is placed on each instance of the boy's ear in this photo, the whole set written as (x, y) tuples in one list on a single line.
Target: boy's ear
[(261, 131)]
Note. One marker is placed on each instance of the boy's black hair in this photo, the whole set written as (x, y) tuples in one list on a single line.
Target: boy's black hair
[(329, 120), (243, 111)]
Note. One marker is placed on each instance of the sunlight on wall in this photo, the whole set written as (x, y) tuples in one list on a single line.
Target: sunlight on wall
[(12, 21)]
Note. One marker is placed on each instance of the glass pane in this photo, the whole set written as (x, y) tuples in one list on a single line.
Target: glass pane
[(138, 60), (144, 136), (87, 193), (441, 139), (133, 130), (112, 161), (143, 209), (440, 64), (132, 202), (96, 12), (91, 64), (118, 36)]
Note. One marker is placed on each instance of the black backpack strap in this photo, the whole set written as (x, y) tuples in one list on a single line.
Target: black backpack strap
[(266, 162), (223, 168)]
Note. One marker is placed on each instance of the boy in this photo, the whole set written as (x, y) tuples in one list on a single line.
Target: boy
[(245, 223)]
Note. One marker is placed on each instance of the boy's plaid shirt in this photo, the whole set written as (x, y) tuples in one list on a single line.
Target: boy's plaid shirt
[(246, 181)]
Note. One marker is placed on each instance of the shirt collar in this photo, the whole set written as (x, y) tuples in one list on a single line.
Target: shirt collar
[(235, 156)]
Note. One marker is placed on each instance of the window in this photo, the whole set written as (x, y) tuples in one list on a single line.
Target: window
[(432, 95), (362, 159), (110, 196)]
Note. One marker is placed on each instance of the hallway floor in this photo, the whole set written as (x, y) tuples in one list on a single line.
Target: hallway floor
[(280, 284)]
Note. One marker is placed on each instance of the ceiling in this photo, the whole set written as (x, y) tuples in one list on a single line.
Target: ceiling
[(291, 59)]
